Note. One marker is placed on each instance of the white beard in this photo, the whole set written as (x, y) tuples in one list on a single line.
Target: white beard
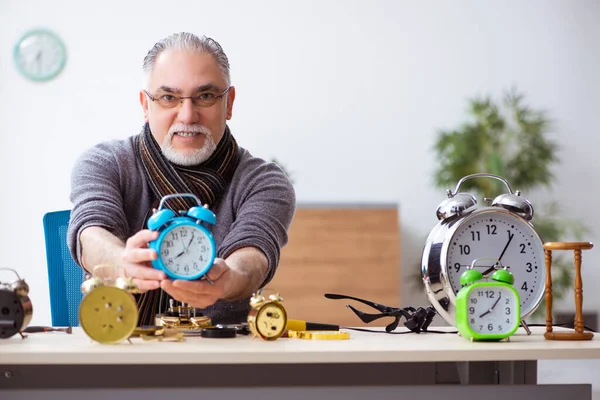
[(190, 157)]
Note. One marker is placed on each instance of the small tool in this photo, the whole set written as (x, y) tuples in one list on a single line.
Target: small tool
[(36, 329)]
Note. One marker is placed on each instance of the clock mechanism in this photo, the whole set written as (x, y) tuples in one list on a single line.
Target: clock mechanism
[(182, 317)]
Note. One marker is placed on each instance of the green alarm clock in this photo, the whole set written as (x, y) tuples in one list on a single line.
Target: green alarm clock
[(186, 248), (487, 309)]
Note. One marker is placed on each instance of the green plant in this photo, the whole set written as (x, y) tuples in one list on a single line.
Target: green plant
[(509, 139)]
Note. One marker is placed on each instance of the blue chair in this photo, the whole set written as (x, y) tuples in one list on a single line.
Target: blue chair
[(64, 275)]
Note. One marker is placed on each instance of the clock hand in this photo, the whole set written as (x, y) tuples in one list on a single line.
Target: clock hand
[(38, 60), (493, 267), (496, 303), (183, 252), (487, 271), (190, 242), (510, 236), (492, 308)]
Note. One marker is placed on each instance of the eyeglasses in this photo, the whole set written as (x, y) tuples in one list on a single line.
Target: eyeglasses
[(205, 99), (417, 320)]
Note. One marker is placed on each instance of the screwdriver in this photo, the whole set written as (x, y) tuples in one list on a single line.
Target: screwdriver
[(299, 325), (36, 329)]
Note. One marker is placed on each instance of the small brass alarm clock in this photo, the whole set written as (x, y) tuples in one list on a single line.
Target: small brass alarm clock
[(487, 310), (501, 231), (15, 306), (267, 318), (108, 312)]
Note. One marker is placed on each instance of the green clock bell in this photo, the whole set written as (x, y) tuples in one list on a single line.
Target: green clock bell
[(487, 309), (186, 248)]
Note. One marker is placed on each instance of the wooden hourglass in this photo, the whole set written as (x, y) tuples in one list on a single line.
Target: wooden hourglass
[(578, 333)]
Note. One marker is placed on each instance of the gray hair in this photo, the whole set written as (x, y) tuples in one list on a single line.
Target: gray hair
[(187, 41)]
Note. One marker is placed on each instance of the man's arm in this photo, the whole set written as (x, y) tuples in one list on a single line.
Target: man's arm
[(263, 216), (250, 251), (99, 226), (97, 202), (99, 246), (249, 269)]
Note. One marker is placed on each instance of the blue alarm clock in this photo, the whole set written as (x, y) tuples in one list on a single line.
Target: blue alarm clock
[(186, 248)]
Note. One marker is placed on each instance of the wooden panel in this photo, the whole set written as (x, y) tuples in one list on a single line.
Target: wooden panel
[(351, 251)]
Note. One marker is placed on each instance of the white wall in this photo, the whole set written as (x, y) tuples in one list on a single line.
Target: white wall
[(348, 94)]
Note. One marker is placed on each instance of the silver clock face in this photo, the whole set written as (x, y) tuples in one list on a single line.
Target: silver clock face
[(186, 250), (492, 310), (495, 235)]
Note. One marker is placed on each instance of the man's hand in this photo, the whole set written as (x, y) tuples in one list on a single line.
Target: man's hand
[(235, 278), (201, 293), (136, 261)]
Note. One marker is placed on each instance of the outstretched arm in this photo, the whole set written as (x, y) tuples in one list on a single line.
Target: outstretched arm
[(99, 246), (249, 254)]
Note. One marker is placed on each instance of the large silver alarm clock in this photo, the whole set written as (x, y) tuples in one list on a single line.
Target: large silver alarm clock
[(490, 237)]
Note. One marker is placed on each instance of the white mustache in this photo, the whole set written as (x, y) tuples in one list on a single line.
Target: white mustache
[(189, 128)]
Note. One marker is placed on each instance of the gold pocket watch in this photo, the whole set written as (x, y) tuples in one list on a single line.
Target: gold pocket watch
[(15, 307), (108, 312), (267, 318)]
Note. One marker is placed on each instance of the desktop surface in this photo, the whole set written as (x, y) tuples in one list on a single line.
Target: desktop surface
[(57, 348)]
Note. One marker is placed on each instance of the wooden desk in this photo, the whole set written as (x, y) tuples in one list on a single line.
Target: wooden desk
[(58, 360)]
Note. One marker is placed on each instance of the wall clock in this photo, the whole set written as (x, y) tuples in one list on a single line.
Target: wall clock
[(40, 55)]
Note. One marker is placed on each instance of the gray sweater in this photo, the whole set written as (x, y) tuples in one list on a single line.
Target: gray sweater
[(109, 189)]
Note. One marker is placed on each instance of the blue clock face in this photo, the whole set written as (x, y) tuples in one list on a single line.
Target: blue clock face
[(187, 251), (40, 55)]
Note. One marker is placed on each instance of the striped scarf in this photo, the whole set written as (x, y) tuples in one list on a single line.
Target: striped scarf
[(207, 181)]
